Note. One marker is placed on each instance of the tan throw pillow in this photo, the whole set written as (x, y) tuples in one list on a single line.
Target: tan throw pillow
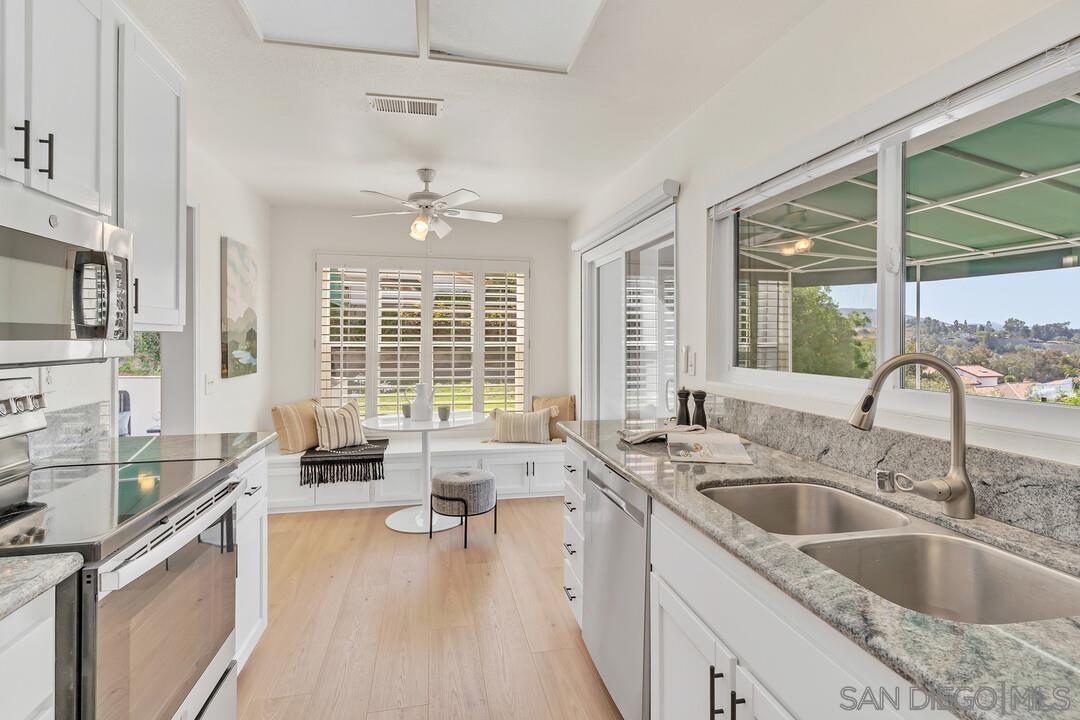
[(530, 427), (295, 425), (567, 405), (341, 427)]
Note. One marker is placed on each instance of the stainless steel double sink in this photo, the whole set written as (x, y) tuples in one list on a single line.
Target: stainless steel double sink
[(903, 559)]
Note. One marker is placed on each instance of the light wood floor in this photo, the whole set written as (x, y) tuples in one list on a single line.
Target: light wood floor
[(370, 624)]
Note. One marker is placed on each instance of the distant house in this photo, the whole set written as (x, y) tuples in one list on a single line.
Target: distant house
[(983, 376), (1010, 390), (1053, 390)]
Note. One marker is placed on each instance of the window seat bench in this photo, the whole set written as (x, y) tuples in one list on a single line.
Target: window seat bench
[(521, 470)]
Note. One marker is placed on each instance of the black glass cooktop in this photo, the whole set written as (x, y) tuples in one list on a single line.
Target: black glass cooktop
[(92, 508)]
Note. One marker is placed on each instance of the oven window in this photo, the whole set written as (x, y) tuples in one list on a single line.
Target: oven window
[(157, 635)]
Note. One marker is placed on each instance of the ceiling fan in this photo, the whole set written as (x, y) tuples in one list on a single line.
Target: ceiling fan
[(431, 208)]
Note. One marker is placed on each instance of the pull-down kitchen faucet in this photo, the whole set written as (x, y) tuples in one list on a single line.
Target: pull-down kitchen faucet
[(954, 491)]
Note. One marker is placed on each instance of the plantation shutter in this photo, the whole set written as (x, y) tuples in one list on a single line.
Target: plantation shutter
[(504, 341), (453, 317), (400, 308), (344, 340)]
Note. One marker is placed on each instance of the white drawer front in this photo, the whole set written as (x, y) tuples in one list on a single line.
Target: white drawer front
[(573, 546), (574, 507), (573, 590)]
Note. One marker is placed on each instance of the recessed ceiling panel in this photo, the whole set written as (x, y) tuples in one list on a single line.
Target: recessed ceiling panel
[(546, 34), (371, 25)]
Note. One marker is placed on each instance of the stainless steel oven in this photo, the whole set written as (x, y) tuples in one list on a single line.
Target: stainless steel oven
[(158, 618), (66, 288)]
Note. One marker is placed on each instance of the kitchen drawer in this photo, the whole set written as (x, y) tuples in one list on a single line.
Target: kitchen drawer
[(573, 589), (574, 507), (573, 546), (253, 494), (574, 469)]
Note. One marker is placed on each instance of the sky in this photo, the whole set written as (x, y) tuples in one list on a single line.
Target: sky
[(1035, 297)]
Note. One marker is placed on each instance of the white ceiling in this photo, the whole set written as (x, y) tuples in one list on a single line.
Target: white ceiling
[(293, 121)]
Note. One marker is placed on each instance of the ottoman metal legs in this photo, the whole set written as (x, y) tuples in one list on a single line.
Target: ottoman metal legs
[(465, 515)]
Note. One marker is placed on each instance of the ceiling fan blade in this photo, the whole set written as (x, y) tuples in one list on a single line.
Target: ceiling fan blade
[(491, 217), (457, 199), (377, 214), (391, 198), (441, 227)]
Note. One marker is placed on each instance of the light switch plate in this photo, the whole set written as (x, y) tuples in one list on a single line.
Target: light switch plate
[(209, 384)]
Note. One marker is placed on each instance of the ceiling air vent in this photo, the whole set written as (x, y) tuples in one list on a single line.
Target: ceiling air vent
[(404, 105)]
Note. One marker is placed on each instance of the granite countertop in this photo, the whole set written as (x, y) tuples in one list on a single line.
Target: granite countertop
[(938, 655), (25, 577), (224, 447)]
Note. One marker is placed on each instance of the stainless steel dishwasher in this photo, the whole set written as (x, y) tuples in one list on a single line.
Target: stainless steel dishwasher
[(615, 622)]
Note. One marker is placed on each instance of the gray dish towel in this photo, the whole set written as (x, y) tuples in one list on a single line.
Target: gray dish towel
[(357, 463)]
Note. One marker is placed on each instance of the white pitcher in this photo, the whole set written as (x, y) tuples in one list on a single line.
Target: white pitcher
[(421, 406)]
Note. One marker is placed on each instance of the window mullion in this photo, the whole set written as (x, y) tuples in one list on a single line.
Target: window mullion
[(479, 312), (891, 265)]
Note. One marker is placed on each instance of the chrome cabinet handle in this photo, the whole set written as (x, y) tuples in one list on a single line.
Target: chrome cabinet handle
[(51, 142), (713, 677), (570, 548), (569, 595), (569, 505), (25, 130), (135, 305)]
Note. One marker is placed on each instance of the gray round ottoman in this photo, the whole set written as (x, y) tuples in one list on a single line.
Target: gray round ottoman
[(463, 493)]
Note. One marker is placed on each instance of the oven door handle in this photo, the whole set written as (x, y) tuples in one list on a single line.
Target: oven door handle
[(131, 570)]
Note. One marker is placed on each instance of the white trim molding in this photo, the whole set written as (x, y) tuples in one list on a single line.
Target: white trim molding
[(662, 196)]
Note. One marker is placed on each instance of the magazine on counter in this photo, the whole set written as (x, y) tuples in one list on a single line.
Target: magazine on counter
[(713, 446)]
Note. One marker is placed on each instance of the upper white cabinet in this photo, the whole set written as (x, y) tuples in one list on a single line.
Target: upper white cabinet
[(152, 181), (70, 71), (15, 139)]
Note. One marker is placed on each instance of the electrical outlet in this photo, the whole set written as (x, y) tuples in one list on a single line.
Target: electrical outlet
[(47, 381), (689, 361)]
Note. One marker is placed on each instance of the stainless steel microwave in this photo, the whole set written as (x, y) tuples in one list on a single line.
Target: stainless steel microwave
[(66, 288)]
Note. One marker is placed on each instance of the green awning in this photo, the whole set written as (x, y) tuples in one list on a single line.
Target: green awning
[(1005, 199)]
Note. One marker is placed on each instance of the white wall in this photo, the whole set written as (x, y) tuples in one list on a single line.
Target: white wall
[(227, 207), (299, 233), (850, 67)]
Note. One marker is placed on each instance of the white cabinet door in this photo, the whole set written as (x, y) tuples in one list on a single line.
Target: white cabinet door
[(511, 473), (251, 577), (72, 75), (151, 180), (28, 660), (691, 671), (546, 474), (16, 138), (754, 701)]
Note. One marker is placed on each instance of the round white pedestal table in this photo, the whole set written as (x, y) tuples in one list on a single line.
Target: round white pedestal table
[(415, 519)]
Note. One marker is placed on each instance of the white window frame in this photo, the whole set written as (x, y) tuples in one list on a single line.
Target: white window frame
[(1043, 430), (374, 264)]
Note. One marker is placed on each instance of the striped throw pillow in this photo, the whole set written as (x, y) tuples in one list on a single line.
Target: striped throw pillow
[(339, 427), (530, 427)]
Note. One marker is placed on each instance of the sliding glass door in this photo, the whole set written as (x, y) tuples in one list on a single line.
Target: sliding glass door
[(629, 319)]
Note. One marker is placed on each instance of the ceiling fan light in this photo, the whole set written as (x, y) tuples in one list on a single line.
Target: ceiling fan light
[(420, 226), (804, 245)]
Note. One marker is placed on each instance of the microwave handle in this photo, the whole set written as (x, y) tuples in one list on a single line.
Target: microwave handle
[(132, 570), (82, 259)]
